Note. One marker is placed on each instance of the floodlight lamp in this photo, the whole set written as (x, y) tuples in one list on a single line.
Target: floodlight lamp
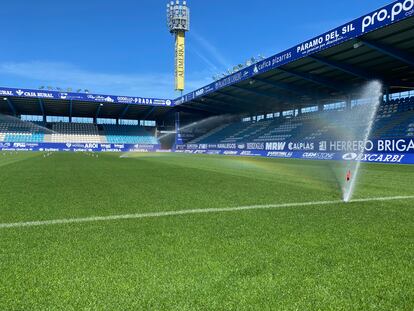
[(4, 98), (358, 45)]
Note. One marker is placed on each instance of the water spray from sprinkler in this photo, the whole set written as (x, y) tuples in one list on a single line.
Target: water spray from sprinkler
[(365, 116)]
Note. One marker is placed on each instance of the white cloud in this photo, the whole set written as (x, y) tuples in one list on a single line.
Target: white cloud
[(38, 73), (214, 55), (211, 67)]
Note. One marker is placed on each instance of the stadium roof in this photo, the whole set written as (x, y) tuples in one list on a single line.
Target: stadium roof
[(53, 103), (329, 67), (378, 46)]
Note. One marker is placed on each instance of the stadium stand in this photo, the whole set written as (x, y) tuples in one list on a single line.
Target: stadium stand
[(15, 130), (75, 133), (395, 119), (127, 134)]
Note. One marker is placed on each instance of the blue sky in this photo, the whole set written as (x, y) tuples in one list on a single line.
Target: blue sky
[(123, 47)]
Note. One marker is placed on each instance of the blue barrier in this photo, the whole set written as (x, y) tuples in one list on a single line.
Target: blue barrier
[(398, 151), (77, 147), (387, 158), (379, 151), (404, 145)]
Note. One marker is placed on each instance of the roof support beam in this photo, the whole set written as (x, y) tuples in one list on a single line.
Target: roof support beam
[(219, 101), (98, 111), (181, 108), (195, 109), (285, 86), (70, 110), (259, 93), (245, 101), (202, 104), (124, 112), (224, 106), (390, 51), (314, 79), (344, 67), (150, 111), (223, 102), (11, 106), (407, 85), (354, 71), (234, 97), (42, 108)]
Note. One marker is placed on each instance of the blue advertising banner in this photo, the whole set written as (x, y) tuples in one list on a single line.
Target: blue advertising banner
[(404, 145), (85, 97), (385, 16), (398, 151), (77, 147), (402, 152), (385, 158)]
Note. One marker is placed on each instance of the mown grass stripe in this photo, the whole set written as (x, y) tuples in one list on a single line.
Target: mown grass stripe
[(191, 211)]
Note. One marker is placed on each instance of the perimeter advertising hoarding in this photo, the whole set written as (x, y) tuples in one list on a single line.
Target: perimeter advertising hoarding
[(404, 145), (77, 147), (391, 156), (397, 151), (388, 158)]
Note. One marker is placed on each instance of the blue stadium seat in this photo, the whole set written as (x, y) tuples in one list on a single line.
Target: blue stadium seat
[(128, 134)]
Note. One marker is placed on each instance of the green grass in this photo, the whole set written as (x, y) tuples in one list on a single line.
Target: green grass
[(357, 256)]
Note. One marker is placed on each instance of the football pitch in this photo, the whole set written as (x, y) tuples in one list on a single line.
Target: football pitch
[(196, 232)]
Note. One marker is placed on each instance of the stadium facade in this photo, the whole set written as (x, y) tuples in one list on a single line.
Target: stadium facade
[(285, 106)]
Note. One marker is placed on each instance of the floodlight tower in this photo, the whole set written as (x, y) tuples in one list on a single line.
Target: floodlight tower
[(178, 18)]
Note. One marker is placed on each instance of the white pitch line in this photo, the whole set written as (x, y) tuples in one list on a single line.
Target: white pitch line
[(191, 211)]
